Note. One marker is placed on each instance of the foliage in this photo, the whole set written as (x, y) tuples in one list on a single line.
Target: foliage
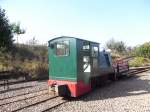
[(28, 59), (143, 50), (5, 32), (35, 69), (16, 29), (139, 61), (29, 52), (115, 56), (118, 46)]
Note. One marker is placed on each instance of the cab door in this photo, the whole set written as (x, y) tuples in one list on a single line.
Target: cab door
[(90, 60), (86, 61)]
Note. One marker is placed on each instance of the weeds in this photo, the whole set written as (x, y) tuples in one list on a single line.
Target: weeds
[(31, 60)]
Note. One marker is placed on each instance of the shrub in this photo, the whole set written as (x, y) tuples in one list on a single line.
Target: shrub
[(118, 46), (41, 71), (143, 50), (35, 69), (139, 61)]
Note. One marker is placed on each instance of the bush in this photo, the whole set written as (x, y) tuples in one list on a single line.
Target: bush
[(117, 46), (35, 69), (31, 60), (41, 71), (143, 50), (139, 61)]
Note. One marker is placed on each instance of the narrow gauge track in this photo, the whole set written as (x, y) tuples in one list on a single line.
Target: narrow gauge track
[(54, 106), (20, 86), (132, 71), (43, 104), (24, 103), (136, 70), (11, 82), (32, 107), (22, 94), (10, 78), (23, 97)]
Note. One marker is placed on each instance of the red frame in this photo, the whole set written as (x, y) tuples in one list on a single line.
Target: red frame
[(76, 88)]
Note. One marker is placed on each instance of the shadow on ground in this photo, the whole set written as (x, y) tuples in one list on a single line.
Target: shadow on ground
[(125, 86)]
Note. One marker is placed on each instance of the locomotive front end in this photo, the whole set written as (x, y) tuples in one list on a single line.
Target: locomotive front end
[(62, 66)]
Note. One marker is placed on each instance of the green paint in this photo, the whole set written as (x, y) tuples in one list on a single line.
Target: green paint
[(70, 67), (63, 67)]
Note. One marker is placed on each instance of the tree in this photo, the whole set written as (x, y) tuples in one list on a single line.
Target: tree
[(110, 44), (5, 31), (17, 29), (118, 46), (143, 50)]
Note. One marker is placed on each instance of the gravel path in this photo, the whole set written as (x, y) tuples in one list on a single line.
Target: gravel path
[(126, 95)]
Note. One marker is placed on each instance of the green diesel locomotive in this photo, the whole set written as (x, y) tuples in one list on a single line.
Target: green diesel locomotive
[(76, 66)]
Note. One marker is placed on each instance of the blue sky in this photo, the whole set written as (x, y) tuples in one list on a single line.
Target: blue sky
[(95, 20)]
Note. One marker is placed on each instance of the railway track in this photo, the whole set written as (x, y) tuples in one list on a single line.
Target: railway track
[(22, 97), (10, 78), (54, 106), (136, 70), (33, 105), (42, 100), (22, 93), (43, 106), (11, 82), (28, 100)]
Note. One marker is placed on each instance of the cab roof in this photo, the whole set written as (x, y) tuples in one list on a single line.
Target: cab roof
[(71, 38)]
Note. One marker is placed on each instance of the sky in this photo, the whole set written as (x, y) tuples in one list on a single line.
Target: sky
[(95, 20)]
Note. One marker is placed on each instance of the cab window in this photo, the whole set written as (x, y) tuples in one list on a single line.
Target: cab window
[(62, 48), (86, 45), (86, 64), (94, 51)]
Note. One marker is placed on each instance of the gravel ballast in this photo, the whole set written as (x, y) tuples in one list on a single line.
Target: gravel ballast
[(22, 88), (130, 94)]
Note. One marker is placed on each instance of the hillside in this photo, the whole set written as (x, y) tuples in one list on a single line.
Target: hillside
[(29, 59)]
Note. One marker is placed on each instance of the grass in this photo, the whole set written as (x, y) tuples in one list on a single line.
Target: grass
[(139, 61), (26, 59)]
